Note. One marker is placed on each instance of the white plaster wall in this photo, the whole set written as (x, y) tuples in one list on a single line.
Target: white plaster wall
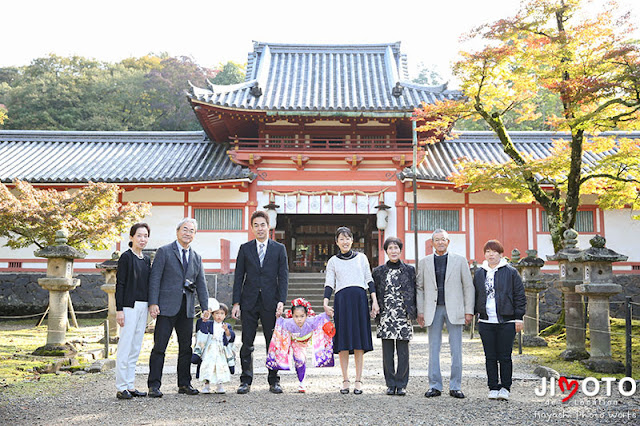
[(218, 196), (623, 233), (162, 221), (435, 196), (152, 194), (488, 198)]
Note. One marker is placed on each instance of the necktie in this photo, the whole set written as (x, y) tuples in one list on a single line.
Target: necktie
[(261, 253), (184, 261)]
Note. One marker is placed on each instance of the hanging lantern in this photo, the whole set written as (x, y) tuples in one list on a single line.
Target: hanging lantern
[(382, 215)]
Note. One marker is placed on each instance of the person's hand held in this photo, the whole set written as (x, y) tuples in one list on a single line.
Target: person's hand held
[(375, 309), (120, 318), (235, 312), (421, 320), (467, 319), (519, 326), (206, 315), (154, 311), (328, 310), (279, 309)]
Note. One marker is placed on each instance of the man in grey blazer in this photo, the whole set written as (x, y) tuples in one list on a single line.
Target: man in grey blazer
[(176, 275), (445, 292)]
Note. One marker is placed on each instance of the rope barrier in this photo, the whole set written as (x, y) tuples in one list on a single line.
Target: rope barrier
[(580, 328), (42, 313)]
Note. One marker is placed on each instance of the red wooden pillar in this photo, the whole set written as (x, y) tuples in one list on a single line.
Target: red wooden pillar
[(401, 206), (252, 203), (225, 256)]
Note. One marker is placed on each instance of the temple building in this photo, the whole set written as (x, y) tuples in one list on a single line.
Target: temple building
[(320, 136)]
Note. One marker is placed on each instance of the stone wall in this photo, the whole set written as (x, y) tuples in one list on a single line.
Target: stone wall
[(20, 293)]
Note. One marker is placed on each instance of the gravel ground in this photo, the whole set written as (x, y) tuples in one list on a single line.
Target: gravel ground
[(90, 399)]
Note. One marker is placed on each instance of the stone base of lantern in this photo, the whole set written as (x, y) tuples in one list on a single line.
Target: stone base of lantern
[(574, 354), (57, 350), (604, 365), (533, 341)]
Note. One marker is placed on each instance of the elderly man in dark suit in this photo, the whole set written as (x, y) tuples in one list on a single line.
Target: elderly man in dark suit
[(176, 275), (259, 291)]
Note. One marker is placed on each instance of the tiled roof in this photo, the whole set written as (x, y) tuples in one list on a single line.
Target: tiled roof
[(118, 157), (442, 157), (297, 77)]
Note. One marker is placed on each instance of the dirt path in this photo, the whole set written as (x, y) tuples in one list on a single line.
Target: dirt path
[(90, 399)]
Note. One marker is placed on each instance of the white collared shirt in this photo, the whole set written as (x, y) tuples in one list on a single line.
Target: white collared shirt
[(180, 248), (266, 244)]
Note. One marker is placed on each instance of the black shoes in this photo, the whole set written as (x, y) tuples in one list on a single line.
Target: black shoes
[(125, 394), (456, 394), (357, 391), (244, 388), (275, 388), (344, 390), (137, 393), (401, 391), (391, 390), (155, 393), (189, 390), (433, 392)]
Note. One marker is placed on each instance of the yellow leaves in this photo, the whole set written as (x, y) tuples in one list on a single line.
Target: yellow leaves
[(92, 215)]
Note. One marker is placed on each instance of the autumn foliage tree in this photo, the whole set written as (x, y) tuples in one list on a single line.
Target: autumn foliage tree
[(92, 215), (586, 60)]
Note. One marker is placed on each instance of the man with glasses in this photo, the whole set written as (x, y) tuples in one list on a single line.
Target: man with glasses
[(176, 275), (445, 293)]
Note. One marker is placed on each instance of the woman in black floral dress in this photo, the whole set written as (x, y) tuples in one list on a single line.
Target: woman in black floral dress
[(395, 284)]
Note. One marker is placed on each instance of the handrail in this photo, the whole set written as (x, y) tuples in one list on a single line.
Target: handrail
[(290, 143)]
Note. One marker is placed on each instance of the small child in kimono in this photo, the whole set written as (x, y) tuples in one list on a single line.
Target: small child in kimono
[(293, 334), (214, 346)]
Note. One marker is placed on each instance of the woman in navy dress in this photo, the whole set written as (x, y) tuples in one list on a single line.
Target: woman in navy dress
[(349, 275)]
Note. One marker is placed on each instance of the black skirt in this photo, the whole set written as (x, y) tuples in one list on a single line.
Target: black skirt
[(353, 325)]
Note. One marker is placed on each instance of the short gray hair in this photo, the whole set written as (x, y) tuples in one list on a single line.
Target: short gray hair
[(440, 231), (187, 220)]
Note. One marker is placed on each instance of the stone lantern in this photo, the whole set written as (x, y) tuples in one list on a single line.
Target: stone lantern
[(534, 283), (571, 274), (59, 282), (109, 269), (599, 286)]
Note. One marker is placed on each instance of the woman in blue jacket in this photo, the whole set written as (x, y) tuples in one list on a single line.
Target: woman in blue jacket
[(500, 305)]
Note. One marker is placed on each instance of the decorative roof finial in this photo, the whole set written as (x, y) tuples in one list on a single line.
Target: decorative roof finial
[(256, 90), (397, 90)]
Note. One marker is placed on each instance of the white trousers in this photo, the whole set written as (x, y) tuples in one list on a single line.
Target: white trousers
[(129, 345)]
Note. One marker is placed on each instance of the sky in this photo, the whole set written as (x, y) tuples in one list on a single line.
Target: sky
[(217, 31)]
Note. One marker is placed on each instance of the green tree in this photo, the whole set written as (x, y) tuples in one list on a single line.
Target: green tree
[(590, 65), (229, 73), (428, 75), (92, 215)]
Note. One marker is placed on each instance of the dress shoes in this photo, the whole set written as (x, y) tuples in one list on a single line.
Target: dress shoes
[(189, 390), (432, 392), (155, 393), (456, 394), (136, 393), (244, 388), (391, 390), (401, 391), (125, 394), (275, 388)]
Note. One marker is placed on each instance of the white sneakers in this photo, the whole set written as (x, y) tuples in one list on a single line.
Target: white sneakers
[(502, 394), (207, 389), (301, 388)]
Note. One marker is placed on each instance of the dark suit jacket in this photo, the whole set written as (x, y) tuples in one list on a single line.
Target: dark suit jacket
[(167, 281), (272, 278)]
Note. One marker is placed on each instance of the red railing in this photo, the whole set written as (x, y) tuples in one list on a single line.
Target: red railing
[(288, 143)]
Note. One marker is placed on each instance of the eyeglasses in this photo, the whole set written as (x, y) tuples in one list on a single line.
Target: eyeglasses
[(440, 240), (188, 231)]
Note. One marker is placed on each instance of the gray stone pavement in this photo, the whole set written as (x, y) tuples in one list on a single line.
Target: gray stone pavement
[(90, 399)]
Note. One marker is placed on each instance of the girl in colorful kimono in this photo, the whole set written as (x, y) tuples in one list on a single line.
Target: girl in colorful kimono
[(292, 336), (214, 344)]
